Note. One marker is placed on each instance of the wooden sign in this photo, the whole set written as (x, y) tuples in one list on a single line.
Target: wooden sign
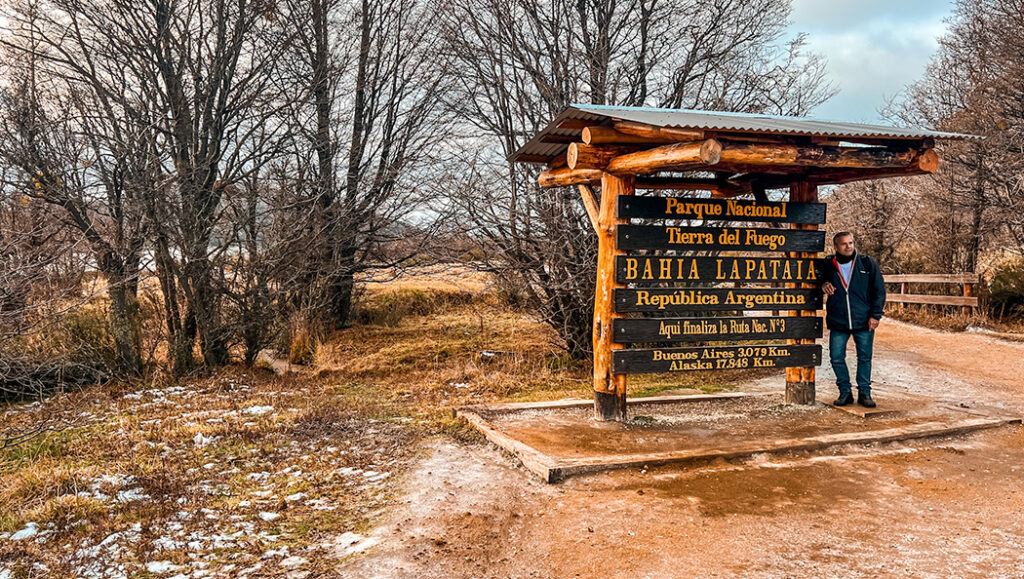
[(714, 358), (653, 269), (717, 238), (645, 207), (715, 299), (711, 329)]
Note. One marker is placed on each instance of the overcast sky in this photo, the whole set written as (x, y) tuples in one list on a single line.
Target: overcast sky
[(874, 48)]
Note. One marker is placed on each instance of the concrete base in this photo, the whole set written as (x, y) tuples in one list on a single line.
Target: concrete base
[(555, 469)]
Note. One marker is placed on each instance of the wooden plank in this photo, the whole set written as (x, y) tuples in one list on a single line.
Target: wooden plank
[(572, 467), (653, 207), (672, 238), (609, 387), (800, 380), (534, 460), (657, 360), (678, 156), (566, 176), (590, 204), (715, 299), (936, 300), (931, 278), (811, 156), (652, 269), (646, 330)]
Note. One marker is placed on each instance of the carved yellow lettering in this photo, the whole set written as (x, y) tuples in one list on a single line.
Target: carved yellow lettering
[(648, 274), (665, 268), (630, 268)]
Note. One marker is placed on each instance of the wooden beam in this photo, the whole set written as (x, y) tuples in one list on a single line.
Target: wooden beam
[(583, 156), (590, 203), (557, 162), (567, 176), (609, 388), (610, 136), (925, 163), (936, 300), (931, 278), (653, 132), (811, 156), (800, 380), (678, 156)]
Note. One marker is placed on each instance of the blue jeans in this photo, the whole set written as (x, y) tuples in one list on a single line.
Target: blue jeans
[(864, 341)]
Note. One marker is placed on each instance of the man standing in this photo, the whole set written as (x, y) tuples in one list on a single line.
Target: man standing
[(856, 297)]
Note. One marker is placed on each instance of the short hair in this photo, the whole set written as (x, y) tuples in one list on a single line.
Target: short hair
[(835, 238)]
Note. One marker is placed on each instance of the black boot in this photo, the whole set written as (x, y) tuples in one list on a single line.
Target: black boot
[(865, 400), (844, 399)]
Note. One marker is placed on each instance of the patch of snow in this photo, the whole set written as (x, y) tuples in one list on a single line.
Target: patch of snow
[(161, 567), (350, 543), (295, 497), (200, 441), (258, 410), (30, 530), (293, 561), (129, 495), (268, 517)]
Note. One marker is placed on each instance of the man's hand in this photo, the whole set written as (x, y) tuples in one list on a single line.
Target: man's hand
[(872, 324), (829, 289)]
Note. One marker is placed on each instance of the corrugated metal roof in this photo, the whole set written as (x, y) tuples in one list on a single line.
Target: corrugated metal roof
[(536, 150)]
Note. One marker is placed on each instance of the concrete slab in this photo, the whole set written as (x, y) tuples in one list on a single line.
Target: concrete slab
[(888, 403), (560, 439)]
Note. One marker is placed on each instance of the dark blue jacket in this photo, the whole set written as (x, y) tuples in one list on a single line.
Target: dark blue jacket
[(849, 310)]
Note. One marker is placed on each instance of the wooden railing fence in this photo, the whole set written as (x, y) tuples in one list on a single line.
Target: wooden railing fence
[(967, 280)]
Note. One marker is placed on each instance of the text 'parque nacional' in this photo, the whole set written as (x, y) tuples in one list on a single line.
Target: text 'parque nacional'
[(654, 207)]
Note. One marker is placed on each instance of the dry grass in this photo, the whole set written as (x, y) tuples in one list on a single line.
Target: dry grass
[(176, 476), (953, 319)]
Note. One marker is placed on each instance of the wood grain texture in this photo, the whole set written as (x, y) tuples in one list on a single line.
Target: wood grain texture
[(609, 388)]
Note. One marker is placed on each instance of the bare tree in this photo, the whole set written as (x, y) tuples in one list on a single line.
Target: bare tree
[(520, 63), (974, 85), (71, 155), (368, 132)]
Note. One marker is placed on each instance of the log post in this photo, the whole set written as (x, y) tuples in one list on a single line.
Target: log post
[(800, 381), (609, 388), (968, 292)]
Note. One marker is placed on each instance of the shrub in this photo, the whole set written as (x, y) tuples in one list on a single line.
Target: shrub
[(1006, 289), (390, 306)]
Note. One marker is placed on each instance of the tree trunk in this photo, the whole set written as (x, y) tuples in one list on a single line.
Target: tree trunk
[(123, 320), (205, 308)]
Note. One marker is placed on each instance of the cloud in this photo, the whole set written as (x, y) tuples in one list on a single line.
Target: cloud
[(874, 48)]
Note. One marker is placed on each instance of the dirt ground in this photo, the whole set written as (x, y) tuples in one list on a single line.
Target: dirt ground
[(932, 508)]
